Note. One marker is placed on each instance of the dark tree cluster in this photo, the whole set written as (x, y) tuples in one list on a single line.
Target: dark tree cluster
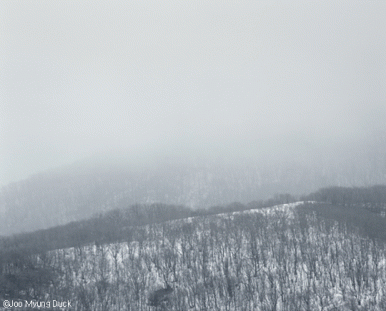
[(371, 197), (27, 277)]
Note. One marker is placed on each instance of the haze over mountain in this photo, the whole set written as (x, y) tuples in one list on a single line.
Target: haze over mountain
[(266, 82)]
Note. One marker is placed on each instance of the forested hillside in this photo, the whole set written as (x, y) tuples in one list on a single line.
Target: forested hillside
[(296, 256), (266, 259)]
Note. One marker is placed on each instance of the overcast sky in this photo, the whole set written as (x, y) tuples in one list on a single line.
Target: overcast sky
[(208, 78)]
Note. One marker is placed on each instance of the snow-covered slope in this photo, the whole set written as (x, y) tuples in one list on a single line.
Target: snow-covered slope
[(254, 260)]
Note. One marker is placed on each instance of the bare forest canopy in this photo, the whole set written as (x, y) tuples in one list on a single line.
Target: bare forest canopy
[(281, 258)]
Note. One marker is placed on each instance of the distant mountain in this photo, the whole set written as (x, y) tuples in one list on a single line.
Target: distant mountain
[(93, 186)]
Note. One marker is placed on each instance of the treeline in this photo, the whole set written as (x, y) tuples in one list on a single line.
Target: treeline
[(371, 197), (102, 228), (115, 225)]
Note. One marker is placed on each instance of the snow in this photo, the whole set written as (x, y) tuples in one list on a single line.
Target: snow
[(249, 260)]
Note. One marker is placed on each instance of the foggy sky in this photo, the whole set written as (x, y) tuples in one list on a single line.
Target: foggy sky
[(236, 79)]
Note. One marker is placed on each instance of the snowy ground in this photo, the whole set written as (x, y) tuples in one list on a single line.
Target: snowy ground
[(251, 260)]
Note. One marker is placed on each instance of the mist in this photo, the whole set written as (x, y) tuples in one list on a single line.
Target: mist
[(268, 82)]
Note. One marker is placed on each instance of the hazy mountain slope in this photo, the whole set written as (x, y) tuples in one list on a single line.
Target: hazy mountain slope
[(79, 191), (51, 199)]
